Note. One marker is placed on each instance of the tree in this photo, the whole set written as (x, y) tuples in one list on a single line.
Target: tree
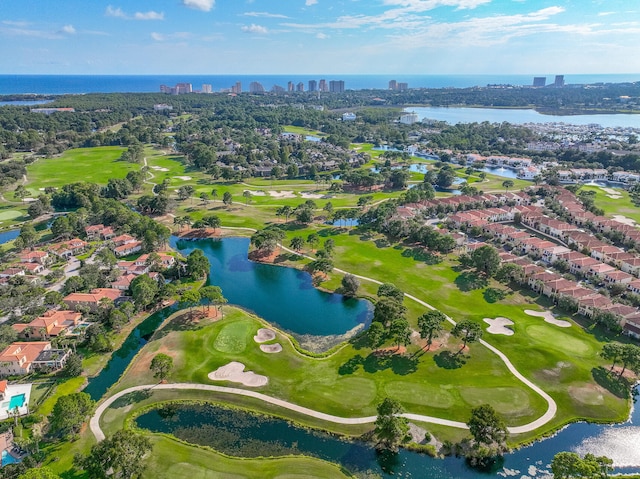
[(161, 364), (39, 473), (7, 336), (70, 412), (211, 295), (486, 260), (375, 334), (468, 331), (313, 239), (350, 285), (629, 357), (214, 193), (198, 265), (388, 310), (390, 290), (73, 366), (430, 324), (612, 352), (227, 199), (190, 299), (247, 196), (567, 465), (117, 457), (28, 235), (143, 290), (401, 332), (390, 428), (297, 243), (506, 184), (285, 211), (486, 426)]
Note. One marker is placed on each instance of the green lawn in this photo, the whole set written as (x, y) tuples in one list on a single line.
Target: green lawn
[(96, 165), (615, 206)]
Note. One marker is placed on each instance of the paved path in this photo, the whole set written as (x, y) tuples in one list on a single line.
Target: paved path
[(552, 408)]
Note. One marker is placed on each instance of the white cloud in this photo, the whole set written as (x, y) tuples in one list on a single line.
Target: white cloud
[(158, 37), (322, 36), (308, 3), (253, 28), (264, 15), (204, 5), (425, 5), (16, 24), (162, 37), (150, 15), (605, 14), (119, 13), (69, 29)]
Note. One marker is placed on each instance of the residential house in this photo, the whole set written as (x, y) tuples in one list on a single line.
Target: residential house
[(92, 299), (22, 358), (50, 324)]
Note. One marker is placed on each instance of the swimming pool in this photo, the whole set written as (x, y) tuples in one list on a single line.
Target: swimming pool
[(16, 401), (8, 458)]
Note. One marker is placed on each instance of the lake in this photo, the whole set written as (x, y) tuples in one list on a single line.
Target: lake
[(241, 433), (6, 236), (519, 117), (283, 296)]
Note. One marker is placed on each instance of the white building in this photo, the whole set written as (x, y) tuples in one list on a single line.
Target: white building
[(409, 118), (349, 116)]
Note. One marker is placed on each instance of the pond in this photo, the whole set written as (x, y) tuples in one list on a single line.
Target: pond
[(283, 296), (500, 171), (241, 433), (6, 236)]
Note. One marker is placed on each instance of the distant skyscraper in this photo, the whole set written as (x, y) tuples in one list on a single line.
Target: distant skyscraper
[(237, 88), (300, 87), (559, 81), (183, 88), (539, 81), (336, 86), (290, 86), (313, 85), (393, 85), (277, 89), (206, 88), (256, 87), (323, 85), (403, 86)]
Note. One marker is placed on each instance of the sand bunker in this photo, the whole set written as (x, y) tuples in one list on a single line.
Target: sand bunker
[(256, 193), (183, 178), (264, 334), (282, 194), (499, 326), (624, 220), (234, 372), (159, 168), (549, 318), (271, 348), (312, 196)]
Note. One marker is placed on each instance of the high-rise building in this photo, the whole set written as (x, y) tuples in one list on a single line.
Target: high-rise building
[(256, 87), (313, 85), (393, 85), (290, 86), (206, 88), (336, 86), (559, 81), (403, 86), (183, 88), (237, 88), (539, 81), (323, 85), (300, 87), (277, 89)]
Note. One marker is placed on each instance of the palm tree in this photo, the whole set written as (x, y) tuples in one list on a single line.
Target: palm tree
[(214, 193), (247, 196)]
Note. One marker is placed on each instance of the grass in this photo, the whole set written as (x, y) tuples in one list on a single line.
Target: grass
[(350, 383), (615, 206), (95, 165), (63, 388), (175, 459)]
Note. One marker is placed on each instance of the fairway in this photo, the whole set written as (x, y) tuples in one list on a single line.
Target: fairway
[(96, 165), (559, 340)]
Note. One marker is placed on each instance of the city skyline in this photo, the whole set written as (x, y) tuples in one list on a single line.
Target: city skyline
[(311, 36)]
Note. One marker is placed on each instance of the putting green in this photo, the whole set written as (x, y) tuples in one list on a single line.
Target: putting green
[(514, 400), (350, 392), (10, 214), (559, 340), (232, 338), (415, 393)]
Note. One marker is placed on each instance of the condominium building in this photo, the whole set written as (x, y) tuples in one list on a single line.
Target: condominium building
[(313, 85), (336, 86), (322, 86), (206, 88)]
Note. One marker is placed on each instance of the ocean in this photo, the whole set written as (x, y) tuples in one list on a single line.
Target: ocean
[(79, 84)]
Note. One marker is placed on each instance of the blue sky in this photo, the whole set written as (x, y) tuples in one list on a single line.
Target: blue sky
[(319, 36)]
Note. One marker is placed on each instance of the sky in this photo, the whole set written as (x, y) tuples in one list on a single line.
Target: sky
[(421, 37)]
